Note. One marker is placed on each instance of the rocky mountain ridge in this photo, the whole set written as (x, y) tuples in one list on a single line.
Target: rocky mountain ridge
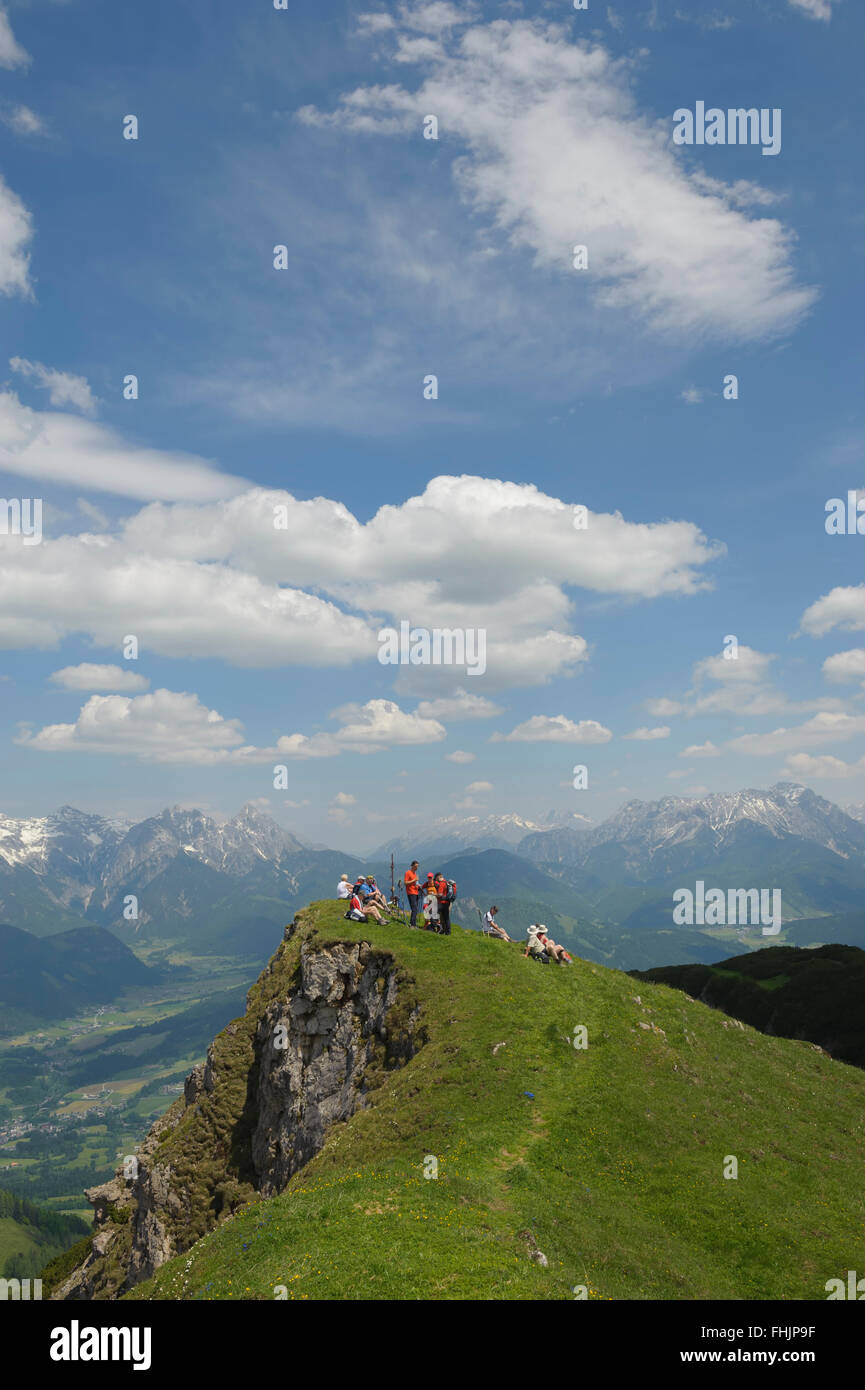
[(324, 1025), (645, 831), (80, 859)]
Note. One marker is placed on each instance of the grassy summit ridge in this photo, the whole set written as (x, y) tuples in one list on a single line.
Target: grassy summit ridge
[(613, 1168)]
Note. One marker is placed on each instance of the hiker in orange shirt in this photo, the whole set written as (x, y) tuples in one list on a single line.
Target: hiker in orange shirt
[(411, 888)]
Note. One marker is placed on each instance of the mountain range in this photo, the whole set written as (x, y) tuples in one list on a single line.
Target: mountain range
[(647, 835), (223, 886), (453, 834), (786, 837)]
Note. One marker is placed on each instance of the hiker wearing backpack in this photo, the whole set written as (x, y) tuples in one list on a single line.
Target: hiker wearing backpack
[(412, 893), (430, 905), (445, 893)]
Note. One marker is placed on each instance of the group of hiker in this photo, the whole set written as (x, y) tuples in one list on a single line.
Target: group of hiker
[(365, 898), (431, 899), (540, 945)]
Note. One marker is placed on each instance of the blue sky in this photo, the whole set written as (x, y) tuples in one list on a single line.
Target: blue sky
[(303, 387)]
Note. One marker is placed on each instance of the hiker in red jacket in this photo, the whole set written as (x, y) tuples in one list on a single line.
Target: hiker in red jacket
[(445, 896), (411, 888)]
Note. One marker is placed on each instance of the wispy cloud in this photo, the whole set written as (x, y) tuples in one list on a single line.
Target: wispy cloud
[(64, 388), (12, 55), (553, 141), (67, 449), (815, 9), (16, 232), (24, 121)]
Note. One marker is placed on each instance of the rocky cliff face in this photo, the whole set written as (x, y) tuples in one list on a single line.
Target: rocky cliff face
[(324, 1025), (317, 1050)]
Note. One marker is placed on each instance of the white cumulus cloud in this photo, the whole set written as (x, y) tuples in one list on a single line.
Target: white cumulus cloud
[(845, 666), (96, 586), (165, 727), (843, 607), (555, 728), (368, 728), (170, 726), (828, 726), (90, 676), (821, 767), (460, 705)]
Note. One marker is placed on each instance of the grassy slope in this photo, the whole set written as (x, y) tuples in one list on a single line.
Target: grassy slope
[(615, 1165), (14, 1237), (19, 1236)]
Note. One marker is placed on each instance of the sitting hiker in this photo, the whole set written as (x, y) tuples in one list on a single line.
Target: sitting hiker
[(491, 926), (343, 888), (355, 909), (535, 946), (430, 905), (556, 953), (374, 893), (359, 903)]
